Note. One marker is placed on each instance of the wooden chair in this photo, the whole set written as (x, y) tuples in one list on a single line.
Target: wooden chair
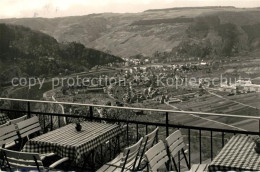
[(4, 125), (199, 168), (3, 119), (17, 120), (28, 127), (175, 145), (148, 142), (157, 157), (8, 136), (26, 161), (125, 161)]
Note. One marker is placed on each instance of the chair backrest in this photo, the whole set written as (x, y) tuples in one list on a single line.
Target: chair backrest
[(130, 155), (29, 126), (17, 120), (8, 134), (3, 118), (22, 160), (157, 156), (147, 143), (175, 143), (149, 140), (4, 125)]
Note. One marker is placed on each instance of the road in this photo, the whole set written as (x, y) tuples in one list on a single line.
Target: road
[(249, 122), (224, 98), (206, 121)]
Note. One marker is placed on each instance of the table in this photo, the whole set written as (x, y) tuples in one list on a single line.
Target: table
[(3, 119), (237, 155), (67, 142)]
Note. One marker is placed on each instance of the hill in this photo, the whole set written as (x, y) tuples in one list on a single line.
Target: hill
[(176, 33), (25, 52)]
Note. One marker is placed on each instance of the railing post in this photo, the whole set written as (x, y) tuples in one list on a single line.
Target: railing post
[(44, 125), (223, 139), (51, 123), (91, 113), (259, 125), (137, 132), (167, 124), (127, 134), (189, 148), (29, 109), (200, 146), (211, 145)]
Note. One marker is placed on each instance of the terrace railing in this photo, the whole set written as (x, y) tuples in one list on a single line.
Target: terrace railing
[(197, 138)]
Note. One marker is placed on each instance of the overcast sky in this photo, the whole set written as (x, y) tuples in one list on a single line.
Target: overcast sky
[(58, 8)]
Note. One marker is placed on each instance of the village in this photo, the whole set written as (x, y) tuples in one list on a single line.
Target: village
[(136, 84)]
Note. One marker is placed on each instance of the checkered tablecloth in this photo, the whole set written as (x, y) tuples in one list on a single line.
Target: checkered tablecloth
[(237, 155), (3, 119), (67, 142)]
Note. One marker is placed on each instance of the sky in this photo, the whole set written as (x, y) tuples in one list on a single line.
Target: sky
[(60, 8)]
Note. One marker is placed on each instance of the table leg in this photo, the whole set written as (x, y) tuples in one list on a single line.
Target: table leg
[(101, 152), (118, 143), (114, 147), (88, 160), (93, 160)]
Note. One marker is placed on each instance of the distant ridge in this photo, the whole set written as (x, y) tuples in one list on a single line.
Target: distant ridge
[(187, 8), (159, 34)]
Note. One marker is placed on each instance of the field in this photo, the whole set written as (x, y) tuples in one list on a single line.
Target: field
[(244, 104)]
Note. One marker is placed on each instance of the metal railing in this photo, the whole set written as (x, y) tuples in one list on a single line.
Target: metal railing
[(191, 133)]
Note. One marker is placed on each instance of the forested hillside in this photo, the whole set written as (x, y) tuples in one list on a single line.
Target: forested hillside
[(24, 52)]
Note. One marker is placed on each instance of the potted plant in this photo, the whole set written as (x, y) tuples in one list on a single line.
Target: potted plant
[(78, 126)]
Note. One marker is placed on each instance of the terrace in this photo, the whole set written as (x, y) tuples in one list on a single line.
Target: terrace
[(203, 144)]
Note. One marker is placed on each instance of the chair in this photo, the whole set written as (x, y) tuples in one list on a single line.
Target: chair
[(8, 136), (157, 157), (3, 118), (28, 127), (125, 161), (147, 143), (26, 161), (17, 120), (199, 168), (175, 145), (4, 125)]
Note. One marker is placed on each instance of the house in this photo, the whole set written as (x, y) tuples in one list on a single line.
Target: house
[(203, 63), (243, 82)]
